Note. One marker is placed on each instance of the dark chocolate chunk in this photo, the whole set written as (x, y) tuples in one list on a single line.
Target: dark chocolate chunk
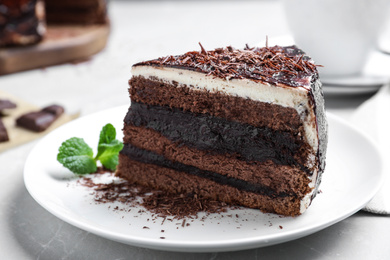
[(6, 104), (3, 133), (40, 120), (56, 110), (36, 121)]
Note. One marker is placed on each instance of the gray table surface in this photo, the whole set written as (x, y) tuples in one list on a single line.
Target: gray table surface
[(143, 30)]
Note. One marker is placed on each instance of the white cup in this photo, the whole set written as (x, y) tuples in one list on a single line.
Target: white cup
[(338, 34)]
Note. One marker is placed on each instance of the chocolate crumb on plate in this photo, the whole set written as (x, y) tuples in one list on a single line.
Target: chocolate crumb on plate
[(162, 204)]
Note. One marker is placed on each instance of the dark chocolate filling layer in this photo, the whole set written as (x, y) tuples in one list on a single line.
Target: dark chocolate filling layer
[(205, 132), (149, 157)]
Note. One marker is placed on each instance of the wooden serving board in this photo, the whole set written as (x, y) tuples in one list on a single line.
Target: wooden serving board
[(61, 44)]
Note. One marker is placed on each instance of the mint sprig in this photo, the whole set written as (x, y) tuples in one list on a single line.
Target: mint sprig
[(77, 156)]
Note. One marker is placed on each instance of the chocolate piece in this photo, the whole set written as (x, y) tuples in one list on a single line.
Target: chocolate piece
[(36, 121), (3, 132), (56, 110), (6, 104), (40, 120)]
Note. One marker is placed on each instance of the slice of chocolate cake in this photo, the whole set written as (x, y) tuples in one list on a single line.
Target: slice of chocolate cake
[(246, 127)]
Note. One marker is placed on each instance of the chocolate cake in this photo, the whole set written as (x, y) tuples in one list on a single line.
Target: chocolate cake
[(21, 22), (76, 11), (242, 126)]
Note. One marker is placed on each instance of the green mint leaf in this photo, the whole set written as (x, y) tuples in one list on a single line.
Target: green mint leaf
[(109, 155), (109, 147), (107, 135), (77, 156)]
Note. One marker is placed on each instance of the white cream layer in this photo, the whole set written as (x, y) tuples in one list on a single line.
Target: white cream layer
[(286, 96), (295, 97)]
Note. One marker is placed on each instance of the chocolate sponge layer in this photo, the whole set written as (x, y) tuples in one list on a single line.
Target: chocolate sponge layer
[(233, 108), (175, 181)]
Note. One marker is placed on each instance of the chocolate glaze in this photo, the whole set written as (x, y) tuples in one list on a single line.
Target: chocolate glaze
[(205, 132), (145, 156), (287, 65)]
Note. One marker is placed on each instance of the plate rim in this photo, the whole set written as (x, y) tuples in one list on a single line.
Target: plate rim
[(224, 245)]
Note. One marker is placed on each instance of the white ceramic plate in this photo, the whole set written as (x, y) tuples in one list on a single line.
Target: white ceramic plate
[(353, 175), (358, 84)]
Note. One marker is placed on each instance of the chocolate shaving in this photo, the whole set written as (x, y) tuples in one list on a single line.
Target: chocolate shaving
[(203, 51), (287, 65), (162, 204)]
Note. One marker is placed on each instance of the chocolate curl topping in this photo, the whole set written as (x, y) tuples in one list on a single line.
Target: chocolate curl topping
[(203, 51), (287, 65)]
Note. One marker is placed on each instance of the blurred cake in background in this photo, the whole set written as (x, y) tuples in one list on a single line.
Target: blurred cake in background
[(41, 33), (22, 22), (76, 11)]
